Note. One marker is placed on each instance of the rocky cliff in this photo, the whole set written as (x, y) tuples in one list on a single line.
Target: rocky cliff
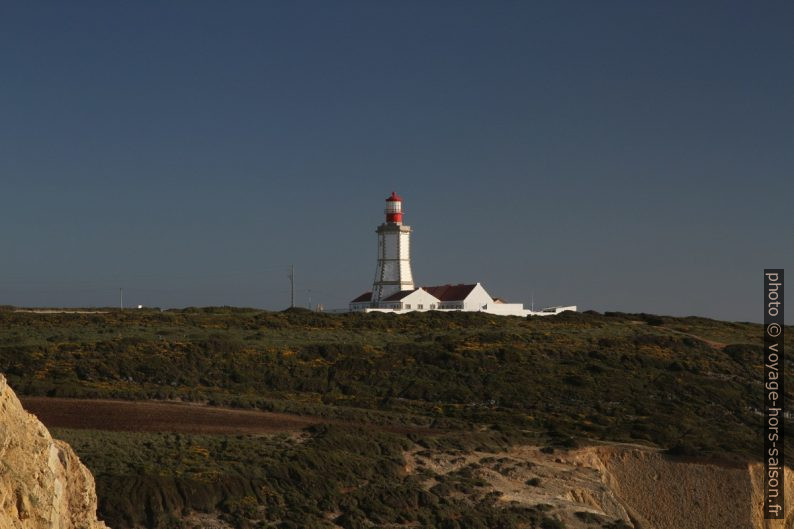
[(613, 485), (42, 482)]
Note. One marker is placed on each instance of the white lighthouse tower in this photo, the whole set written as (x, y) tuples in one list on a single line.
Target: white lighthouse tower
[(394, 253)]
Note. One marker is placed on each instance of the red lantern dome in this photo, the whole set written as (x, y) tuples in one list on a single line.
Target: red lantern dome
[(394, 208)]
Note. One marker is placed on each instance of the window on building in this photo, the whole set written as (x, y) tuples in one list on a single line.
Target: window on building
[(420, 306), (407, 305), (432, 305)]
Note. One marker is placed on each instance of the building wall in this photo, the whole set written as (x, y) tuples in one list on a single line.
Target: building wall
[(477, 299), (506, 309), (420, 300)]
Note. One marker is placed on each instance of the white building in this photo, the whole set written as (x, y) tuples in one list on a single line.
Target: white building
[(393, 289), (417, 299)]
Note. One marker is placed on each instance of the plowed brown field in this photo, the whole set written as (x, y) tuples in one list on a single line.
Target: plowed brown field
[(120, 415), (158, 416)]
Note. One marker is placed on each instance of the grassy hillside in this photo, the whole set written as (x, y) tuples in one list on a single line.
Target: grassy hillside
[(353, 477), (687, 384)]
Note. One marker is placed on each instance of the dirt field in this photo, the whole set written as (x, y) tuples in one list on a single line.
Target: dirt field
[(119, 415), (149, 416)]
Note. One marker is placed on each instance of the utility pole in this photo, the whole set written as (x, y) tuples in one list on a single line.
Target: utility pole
[(121, 299), (292, 286)]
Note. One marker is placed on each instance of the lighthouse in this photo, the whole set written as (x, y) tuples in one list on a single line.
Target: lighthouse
[(393, 290), (393, 273)]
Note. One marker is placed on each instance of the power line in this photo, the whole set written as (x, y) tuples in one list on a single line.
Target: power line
[(292, 286)]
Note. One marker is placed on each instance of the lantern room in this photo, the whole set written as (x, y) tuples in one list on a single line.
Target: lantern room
[(394, 209)]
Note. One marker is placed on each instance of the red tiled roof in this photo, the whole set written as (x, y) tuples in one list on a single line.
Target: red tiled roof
[(366, 296), (450, 292)]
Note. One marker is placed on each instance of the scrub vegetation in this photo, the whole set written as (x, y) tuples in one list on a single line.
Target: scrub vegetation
[(470, 381)]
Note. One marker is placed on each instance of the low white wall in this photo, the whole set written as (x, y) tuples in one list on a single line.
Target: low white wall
[(506, 309)]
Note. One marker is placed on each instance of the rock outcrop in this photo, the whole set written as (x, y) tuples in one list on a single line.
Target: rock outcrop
[(42, 482), (663, 493), (614, 485)]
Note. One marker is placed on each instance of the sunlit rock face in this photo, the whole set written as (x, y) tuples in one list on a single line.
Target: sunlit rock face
[(42, 482)]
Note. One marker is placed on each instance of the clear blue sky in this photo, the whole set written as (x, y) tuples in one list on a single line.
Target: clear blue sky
[(632, 156)]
